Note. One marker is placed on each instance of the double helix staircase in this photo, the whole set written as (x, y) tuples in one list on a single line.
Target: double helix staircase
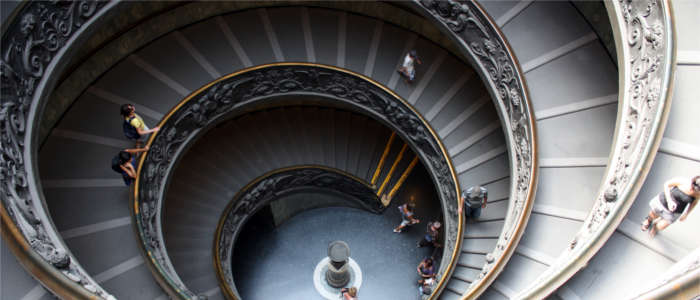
[(233, 155), (157, 76), (573, 87)]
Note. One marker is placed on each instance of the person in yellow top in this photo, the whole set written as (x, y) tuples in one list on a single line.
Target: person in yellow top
[(134, 126)]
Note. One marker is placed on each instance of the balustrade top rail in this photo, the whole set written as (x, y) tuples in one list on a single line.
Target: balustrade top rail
[(482, 42), (644, 40), (42, 33), (34, 45), (243, 90), (272, 186)]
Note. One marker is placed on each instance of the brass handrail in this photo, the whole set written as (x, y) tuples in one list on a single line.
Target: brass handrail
[(644, 40), (195, 113), (530, 133), (681, 281), (222, 242), (481, 41), (49, 276), (35, 39)]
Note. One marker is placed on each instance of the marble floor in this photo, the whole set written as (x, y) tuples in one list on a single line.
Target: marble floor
[(278, 263)]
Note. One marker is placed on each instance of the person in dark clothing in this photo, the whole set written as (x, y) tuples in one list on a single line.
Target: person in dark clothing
[(124, 163), (679, 197), (134, 126), (431, 235), (474, 200)]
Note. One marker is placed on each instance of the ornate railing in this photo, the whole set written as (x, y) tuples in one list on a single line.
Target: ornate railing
[(480, 40), (243, 90), (681, 281), (42, 33), (275, 185), (646, 60), (34, 45)]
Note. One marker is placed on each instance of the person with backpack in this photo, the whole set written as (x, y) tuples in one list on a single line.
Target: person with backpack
[(425, 288), (473, 200), (134, 126), (125, 163)]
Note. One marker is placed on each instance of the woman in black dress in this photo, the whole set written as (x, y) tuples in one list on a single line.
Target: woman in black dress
[(679, 197)]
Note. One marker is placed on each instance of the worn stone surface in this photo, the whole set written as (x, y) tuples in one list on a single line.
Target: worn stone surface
[(481, 41), (30, 48), (235, 93)]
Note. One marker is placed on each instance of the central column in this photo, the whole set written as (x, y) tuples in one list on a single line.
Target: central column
[(336, 271), (338, 274)]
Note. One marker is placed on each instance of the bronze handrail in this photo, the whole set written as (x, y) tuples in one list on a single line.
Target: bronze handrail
[(481, 41), (644, 40), (231, 93), (35, 40), (227, 230)]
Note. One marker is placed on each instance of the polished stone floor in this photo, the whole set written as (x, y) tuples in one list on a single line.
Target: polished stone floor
[(278, 263)]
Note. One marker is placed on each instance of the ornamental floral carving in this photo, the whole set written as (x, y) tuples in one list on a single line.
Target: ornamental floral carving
[(480, 39), (30, 44), (645, 38), (230, 95), (274, 186), (668, 280)]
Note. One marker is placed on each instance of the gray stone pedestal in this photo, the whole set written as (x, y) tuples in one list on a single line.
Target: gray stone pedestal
[(338, 270)]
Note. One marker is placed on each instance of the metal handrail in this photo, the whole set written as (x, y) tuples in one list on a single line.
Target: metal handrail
[(681, 281), (481, 41), (269, 187), (35, 40), (516, 116), (644, 40), (237, 92)]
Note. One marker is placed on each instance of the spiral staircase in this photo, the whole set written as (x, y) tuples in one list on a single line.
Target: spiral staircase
[(573, 89)]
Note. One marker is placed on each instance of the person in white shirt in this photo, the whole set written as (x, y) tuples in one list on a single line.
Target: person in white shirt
[(407, 68)]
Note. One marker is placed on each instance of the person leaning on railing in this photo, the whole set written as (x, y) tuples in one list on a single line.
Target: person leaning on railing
[(124, 163), (679, 197), (134, 127)]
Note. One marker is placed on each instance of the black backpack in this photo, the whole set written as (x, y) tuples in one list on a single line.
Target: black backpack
[(116, 162), (130, 131)]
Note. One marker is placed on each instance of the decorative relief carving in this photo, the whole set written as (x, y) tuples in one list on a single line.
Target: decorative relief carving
[(670, 284), (644, 36), (647, 54), (273, 186), (225, 96), (29, 45), (469, 25)]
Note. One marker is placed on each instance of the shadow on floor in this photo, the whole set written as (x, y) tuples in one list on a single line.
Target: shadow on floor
[(278, 263)]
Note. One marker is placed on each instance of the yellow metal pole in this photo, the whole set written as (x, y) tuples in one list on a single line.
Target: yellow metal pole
[(403, 177), (381, 160), (391, 171)]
